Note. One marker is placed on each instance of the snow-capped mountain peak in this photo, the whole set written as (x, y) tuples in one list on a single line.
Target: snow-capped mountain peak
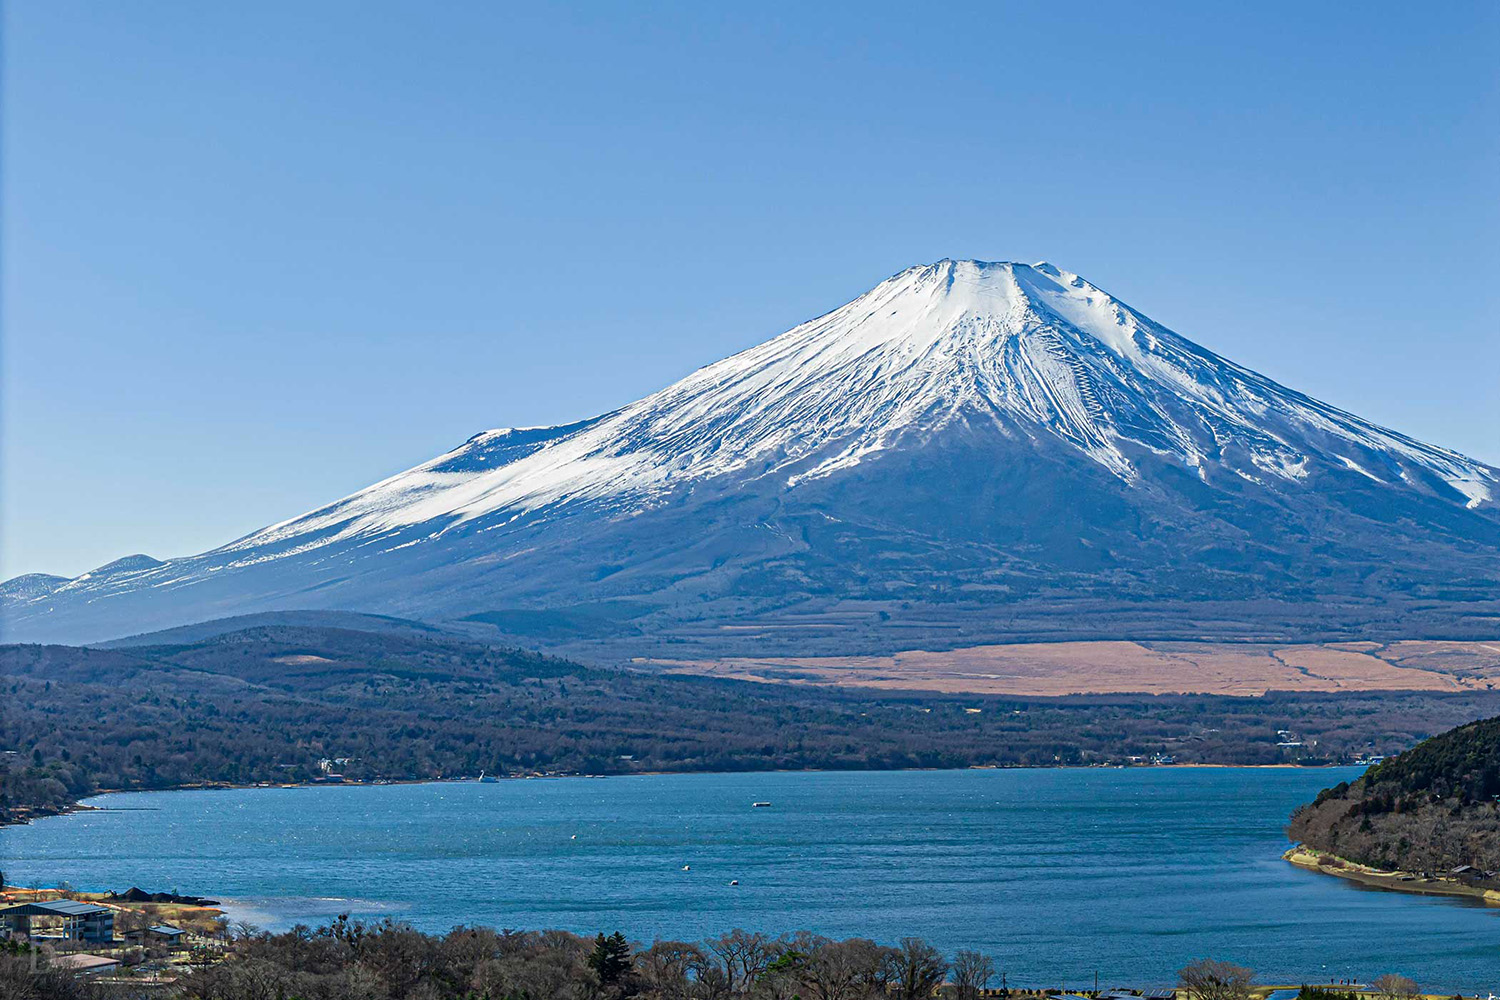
[(955, 379), (1026, 350)]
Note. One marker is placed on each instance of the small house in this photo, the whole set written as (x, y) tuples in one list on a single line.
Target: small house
[(173, 938)]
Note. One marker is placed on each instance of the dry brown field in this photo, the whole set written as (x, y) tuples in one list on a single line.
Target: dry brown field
[(1063, 668)]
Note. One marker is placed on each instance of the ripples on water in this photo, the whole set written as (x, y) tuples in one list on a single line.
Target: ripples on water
[(1055, 872)]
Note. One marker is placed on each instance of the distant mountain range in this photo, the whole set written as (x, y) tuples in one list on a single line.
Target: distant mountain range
[(969, 452)]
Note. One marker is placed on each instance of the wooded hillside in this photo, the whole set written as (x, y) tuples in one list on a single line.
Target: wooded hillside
[(1431, 808)]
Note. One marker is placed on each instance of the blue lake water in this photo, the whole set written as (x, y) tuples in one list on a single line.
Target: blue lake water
[(1057, 873)]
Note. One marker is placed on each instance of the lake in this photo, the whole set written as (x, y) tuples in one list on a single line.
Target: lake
[(1056, 873)]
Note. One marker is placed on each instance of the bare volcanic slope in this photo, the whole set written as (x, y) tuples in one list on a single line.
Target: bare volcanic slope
[(969, 453)]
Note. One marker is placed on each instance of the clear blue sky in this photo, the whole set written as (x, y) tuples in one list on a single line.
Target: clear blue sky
[(259, 255)]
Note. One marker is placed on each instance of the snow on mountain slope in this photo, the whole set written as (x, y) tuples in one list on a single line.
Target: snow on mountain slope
[(30, 586), (1018, 361), (1038, 350)]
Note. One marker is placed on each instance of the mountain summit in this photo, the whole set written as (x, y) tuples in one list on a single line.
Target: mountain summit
[(992, 448)]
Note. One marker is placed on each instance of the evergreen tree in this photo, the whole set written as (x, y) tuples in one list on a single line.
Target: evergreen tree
[(610, 958)]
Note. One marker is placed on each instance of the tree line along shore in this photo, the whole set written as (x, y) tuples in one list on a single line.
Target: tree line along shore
[(294, 704), (354, 960)]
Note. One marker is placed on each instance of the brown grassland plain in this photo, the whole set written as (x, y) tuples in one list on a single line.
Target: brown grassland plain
[(1063, 668)]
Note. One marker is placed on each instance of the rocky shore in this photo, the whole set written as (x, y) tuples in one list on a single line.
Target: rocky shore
[(1422, 883)]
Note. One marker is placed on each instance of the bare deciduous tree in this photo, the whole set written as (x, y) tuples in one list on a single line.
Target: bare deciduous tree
[(1394, 987), (847, 970), (130, 921), (917, 968), (743, 955), (972, 972), (667, 969), (783, 978), (1210, 979)]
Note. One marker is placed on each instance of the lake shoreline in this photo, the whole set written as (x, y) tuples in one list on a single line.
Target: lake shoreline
[(1391, 880), (198, 916), (841, 854), (32, 813), (208, 786)]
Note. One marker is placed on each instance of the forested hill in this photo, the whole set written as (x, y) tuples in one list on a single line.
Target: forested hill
[(269, 703), (1431, 808), (1462, 765)]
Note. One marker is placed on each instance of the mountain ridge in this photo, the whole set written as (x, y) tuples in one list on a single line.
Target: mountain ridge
[(1003, 430)]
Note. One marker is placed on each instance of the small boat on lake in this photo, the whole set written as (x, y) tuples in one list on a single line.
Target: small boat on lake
[(760, 805)]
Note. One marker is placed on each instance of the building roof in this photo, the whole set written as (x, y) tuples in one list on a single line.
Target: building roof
[(167, 930), (53, 908), (84, 963)]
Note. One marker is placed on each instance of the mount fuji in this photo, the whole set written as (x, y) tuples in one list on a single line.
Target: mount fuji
[(968, 452)]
